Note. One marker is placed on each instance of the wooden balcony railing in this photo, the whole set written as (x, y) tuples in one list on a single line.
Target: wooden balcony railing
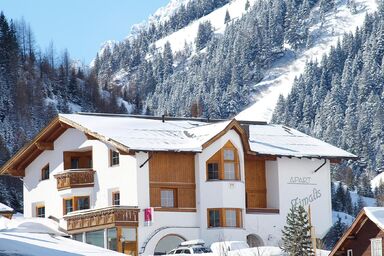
[(75, 178), (97, 218)]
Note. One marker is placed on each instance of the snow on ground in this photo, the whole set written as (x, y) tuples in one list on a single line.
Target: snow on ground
[(40, 236), (279, 79), (345, 218), (236, 9)]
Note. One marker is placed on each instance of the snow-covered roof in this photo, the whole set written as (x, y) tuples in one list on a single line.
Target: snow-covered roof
[(5, 208), (376, 215), (283, 141), (39, 236), (148, 134)]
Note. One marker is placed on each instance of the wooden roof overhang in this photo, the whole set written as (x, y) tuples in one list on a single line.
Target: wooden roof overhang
[(350, 234), (45, 141)]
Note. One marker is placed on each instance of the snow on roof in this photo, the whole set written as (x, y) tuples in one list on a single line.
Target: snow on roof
[(283, 141), (40, 236), (189, 135), (376, 215), (146, 134), (5, 208)]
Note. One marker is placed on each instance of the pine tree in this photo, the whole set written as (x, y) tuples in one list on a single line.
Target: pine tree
[(227, 17), (335, 233), (296, 234)]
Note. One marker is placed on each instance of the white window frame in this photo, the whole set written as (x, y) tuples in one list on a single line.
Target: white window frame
[(167, 198), (349, 252), (377, 246)]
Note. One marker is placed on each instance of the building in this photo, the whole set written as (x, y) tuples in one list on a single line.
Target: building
[(365, 236), (6, 211), (141, 185)]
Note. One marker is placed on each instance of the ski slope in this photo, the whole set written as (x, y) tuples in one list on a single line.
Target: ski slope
[(187, 35), (279, 79)]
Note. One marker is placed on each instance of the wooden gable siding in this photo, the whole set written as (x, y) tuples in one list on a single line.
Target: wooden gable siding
[(169, 170), (255, 183), (360, 242)]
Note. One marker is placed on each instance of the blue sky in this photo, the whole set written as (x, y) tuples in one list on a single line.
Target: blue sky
[(81, 26)]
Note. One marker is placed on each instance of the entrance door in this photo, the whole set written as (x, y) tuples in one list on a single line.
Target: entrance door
[(130, 248)]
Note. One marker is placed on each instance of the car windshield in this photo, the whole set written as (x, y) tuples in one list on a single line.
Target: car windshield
[(198, 250)]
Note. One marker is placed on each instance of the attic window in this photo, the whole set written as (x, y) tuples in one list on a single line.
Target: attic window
[(115, 158), (224, 165)]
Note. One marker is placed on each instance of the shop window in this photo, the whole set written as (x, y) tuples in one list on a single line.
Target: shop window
[(95, 238), (112, 239)]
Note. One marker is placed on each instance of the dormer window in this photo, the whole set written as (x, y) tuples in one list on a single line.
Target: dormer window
[(45, 172), (224, 164), (115, 158)]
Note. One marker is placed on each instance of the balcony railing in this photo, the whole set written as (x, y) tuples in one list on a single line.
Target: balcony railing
[(75, 178), (96, 218)]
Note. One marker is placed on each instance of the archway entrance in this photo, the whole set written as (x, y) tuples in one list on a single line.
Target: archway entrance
[(254, 240), (167, 243)]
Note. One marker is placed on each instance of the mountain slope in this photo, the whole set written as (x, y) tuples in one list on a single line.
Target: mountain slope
[(324, 34)]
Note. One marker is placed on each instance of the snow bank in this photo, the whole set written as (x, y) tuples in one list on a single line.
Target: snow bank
[(5, 208)]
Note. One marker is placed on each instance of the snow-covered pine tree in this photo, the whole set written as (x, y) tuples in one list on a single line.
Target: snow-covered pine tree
[(296, 234)]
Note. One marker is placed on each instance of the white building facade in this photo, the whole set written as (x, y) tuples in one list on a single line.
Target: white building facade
[(141, 186)]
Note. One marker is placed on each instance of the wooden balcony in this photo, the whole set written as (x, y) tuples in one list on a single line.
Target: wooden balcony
[(75, 178), (103, 217)]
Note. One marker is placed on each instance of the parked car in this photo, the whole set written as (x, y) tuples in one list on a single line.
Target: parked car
[(191, 247), (223, 247)]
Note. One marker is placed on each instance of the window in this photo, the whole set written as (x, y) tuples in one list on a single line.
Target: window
[(225, 217), (213, 171), (167, 198), (81, 203), (230, 218), (115, 158), (75, 163), (45, 172), (224, 164), (95, 238), (229, 164), (112, 239), (214, 218), (78, 237), (376, 247), (349, 252), (116, 198), (68, 206), (75, 204), (40, 211)]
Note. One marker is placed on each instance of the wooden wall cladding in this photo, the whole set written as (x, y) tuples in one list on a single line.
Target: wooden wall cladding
[(255, 183), (173, 171)]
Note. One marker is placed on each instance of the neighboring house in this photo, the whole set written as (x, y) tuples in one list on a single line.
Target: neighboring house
[(100, 176), (365, 236), (6, 211)]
